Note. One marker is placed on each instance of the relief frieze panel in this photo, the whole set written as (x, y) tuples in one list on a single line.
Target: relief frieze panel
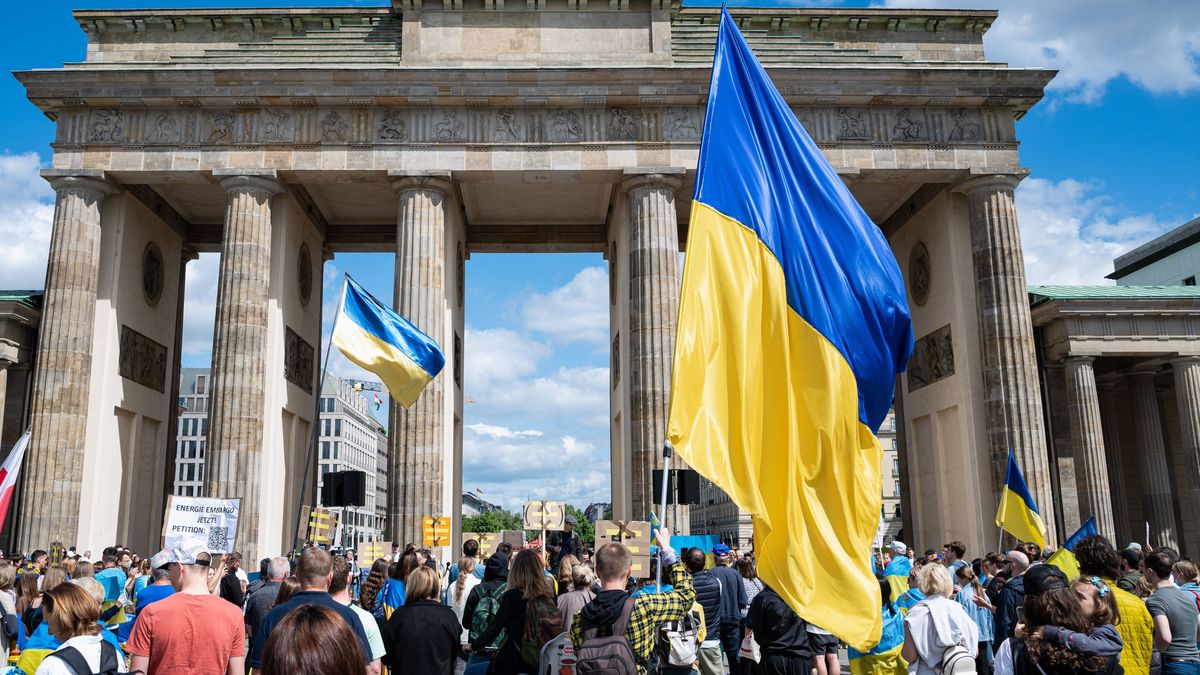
[(482, 125)]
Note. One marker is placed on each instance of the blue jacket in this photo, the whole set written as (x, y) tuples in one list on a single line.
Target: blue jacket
[(1011, 597), (733, 594), (708, 594)]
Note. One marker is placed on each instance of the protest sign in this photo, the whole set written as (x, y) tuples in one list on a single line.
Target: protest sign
[(212, 521), (542, 515), (322, 524), (435, 531), (370, 551)]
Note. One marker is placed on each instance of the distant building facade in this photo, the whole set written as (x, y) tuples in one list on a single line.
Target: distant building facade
[(474, 505), (596, 511), (1172, 259), (350, 440)]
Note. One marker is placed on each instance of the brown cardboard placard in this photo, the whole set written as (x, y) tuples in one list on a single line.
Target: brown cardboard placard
[(635, 534)]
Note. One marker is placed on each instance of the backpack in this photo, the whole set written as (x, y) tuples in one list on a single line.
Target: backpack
[(679, 641), (485, 611), (610, 654), (958, 660), (543, 623), (79, 665)]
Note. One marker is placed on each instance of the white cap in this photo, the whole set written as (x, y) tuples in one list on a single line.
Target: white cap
[(898, 547), (1134, 545), (188, 552), (160, 559)]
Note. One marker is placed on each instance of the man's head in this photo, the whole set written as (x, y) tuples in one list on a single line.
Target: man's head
[(1031, 550), (721, 554), (109, 560), (189, 564), (898, 548), (569, 523), (341, 575), (278, 569), (1017, 563), (39, 558), (955, 550), (613, 563), (1157, 567), (694, 560), (161, 576), (471, 548), (1097, 558), (423, 556), (1130, 560), (505, 548), (314, 570), (124, 560), (234, 561)]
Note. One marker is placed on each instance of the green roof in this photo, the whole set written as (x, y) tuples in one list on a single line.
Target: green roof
[(1040, 294), (31, 298)]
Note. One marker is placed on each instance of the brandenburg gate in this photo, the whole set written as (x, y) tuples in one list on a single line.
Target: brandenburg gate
[(437, 129)]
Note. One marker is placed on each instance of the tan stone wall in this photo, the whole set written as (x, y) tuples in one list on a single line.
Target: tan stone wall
[(621, 433)]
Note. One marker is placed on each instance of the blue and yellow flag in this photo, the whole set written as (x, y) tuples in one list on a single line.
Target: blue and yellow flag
[(1064, 558), (1018, 514), (377, 338), (792, 326)]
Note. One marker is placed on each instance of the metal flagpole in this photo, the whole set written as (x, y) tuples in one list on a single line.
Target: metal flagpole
[(667, 450), (314, 433)]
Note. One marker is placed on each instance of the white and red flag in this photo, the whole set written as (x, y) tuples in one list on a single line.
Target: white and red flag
[(8, 474)]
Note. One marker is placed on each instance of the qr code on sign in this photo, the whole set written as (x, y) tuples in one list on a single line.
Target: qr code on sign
[(218, 539)]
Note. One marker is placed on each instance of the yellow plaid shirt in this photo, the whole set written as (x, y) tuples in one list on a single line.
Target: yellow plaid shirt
[(650, 611)]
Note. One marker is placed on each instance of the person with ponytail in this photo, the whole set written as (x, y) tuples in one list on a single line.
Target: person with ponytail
[(460, 590), (972, 589)]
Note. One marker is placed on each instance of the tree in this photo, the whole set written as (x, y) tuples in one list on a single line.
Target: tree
[(492, 521)]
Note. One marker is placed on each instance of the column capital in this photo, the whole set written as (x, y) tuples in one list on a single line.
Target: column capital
[(665, 177), (991, 182), (436, 181), (86, 180), (1078, 360), (1143, 373), (188, 254), (249, 180), (1184, 360)]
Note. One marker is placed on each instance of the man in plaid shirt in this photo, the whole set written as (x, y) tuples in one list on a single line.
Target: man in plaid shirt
[(650, 611)]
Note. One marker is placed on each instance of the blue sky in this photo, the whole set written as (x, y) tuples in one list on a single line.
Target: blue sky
[(1112, 152)]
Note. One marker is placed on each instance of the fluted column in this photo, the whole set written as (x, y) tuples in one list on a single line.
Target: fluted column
[(1087, 437), (653, 305), (1156, 476), (1112, 451), (1187, 394), (1012, 399), (53, 471), (233, 466), (417, 434)]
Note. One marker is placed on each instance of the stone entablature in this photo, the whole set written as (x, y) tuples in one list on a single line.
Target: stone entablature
[(1119, 327)]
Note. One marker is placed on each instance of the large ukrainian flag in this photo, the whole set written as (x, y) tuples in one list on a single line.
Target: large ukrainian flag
[(1018, 514), (792, 326), (385, 343)]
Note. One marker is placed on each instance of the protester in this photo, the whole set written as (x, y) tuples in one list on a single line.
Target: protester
[(571, 602), (371, 595), (642, 616), (783, 641), (707, 590), (393, 594), (996, 569), (287, 588), (937, 626), (73, 617), (32, 617), (191, 630), (423, 636), (262, 597), (754, 585), (161, 587), (482, 605), (262, 580), (1098, 604), (733, 601), (570, 544), (231, 588), (1098, 558), (824, 648), (1185, 574), (1130, 571), (112, 578), (314, 572), (313, 640), (565, 564), (8, 577), (1011, 596), (1049, 601), (470, 549), (27, 593), (528, 596), (1174, 612), (339, 590), (913, 595), (979, 613), (953, 553)]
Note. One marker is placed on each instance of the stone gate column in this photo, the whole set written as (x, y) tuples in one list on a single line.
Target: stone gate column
[(1156, 476), (1012, 400), (653, 305), (1187, 394), (233, 467), (53, 471), (417, 437), (1087, 437), (1112, 451)]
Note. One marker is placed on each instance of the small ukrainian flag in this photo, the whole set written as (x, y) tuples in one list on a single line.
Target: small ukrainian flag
[(1018, 514), (381, 341)]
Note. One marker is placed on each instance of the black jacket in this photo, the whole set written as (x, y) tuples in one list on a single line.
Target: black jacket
[(422, 638), (511, 618), (231, 588), (708, 594), (777, 629)]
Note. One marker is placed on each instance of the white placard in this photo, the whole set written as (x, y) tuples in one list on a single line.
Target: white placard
[(213, 521)]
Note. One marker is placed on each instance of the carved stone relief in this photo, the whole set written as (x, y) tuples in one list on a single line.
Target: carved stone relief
[(967, 126), (458, 360), (108, 126), (624, 125), (461, 273), (919, 274), (507, 128), (220, 126), (142, 360), (932, 359), (277, 126), (450, 128), (298, 361), (852, 124), (910, 126), (393, 127), (165, 128), (333, 127), (565, 126), (616, 360), (153, 273), (304, 274), (681, 124)]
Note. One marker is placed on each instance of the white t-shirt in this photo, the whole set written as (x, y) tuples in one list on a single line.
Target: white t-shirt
[(88, 646), (371, 628)]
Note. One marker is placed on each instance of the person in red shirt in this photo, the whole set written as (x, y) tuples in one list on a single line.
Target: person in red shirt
[(191, 632)]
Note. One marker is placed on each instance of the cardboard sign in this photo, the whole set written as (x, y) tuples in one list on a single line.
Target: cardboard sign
[(514, 537), (487, 542), (640, 567), (435, 531), (545, 515), (322, 524), (370, 551), (635, 534), (212, 521)]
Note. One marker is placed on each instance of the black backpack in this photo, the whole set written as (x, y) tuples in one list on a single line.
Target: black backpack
[(79, 665)]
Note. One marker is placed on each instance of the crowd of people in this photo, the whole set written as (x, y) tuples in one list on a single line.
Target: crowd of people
[(186, 611)]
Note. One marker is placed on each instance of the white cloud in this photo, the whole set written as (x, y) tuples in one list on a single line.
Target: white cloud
[(579, 394), (1154, 43), (498, 355), (1070, 232), (25, 221), (200, 308), (576, 312), (509, 471), (493, 431)]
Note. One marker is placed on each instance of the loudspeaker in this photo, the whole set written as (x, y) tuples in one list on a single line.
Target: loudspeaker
[(689, 486), (658, 479), (344, 488)]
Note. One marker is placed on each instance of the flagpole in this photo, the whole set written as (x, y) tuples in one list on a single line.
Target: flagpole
[(314, 433), (663, 508)]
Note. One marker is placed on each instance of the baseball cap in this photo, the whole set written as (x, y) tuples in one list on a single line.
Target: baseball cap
[(1134, 545), (1042, 578), (190, 552), (898, 547), (160, 560), (570, 520), (720, 550)]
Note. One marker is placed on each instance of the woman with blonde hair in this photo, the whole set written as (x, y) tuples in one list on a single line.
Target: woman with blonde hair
[(72, 615), (582, 579), (981, 615), (939, 637), (423, 635), (565, 566), (460, 590)]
